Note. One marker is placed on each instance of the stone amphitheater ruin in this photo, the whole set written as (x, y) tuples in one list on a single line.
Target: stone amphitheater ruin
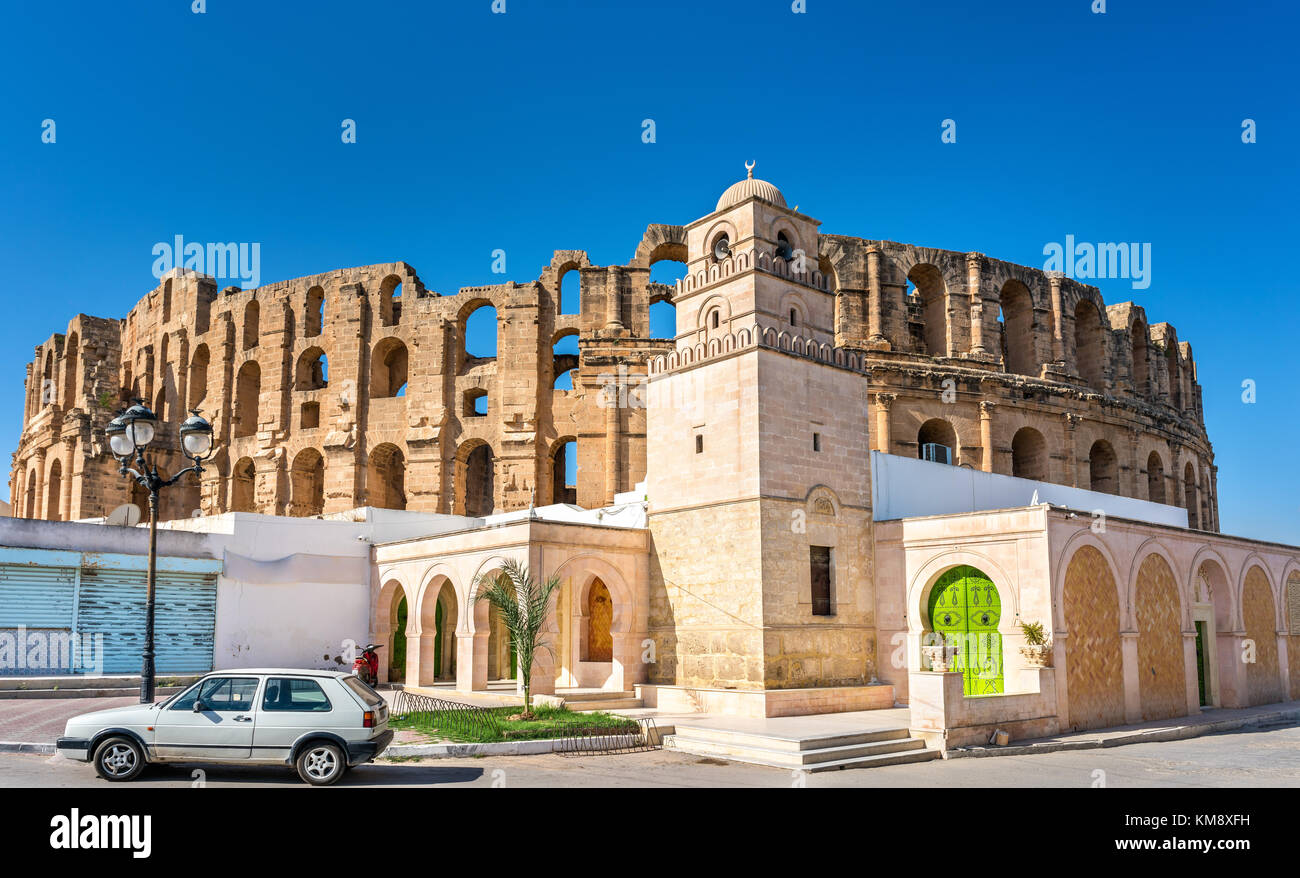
[(354, 387)]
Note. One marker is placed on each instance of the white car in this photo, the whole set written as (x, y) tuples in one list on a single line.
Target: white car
[(319, 722)]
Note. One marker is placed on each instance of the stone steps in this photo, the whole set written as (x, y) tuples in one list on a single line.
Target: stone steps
[(580, 702), (865, 749)]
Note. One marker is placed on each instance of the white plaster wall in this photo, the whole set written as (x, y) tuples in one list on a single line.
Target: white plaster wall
[(904, 487)]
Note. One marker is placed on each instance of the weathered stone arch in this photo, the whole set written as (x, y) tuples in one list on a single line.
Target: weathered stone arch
[(386, 477), (1259, 618), (1094, 663), (307, 484), (1162, 667)]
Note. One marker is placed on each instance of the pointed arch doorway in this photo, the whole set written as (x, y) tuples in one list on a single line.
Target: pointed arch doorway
[(965, 609)]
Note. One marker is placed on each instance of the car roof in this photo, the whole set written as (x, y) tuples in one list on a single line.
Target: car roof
[(294, 672)]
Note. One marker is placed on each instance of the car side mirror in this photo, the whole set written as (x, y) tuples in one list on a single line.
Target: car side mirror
[(198, 706)]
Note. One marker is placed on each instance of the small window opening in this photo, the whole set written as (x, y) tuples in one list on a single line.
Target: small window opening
[(819, 558), (699, 444)]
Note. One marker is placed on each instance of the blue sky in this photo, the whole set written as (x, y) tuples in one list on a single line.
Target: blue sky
[(522, 132)]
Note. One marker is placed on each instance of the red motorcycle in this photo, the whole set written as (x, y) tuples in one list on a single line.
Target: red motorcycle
[(366, 665)]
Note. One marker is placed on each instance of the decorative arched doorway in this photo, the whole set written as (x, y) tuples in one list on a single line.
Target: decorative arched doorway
[(600, 616), (965, 609)]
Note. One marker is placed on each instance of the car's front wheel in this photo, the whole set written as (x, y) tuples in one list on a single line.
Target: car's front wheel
[(321, 763), (119, 759)]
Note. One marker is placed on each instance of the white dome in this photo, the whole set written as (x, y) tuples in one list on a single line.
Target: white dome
[(750, 188)]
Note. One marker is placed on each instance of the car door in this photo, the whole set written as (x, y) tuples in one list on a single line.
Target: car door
[(222, 728), (290, 707)]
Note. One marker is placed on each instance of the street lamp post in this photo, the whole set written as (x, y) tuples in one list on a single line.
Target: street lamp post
[(129, 434)]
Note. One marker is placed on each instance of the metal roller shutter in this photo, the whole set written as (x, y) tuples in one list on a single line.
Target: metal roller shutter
[(37, 597), (40, 604), (112, 604)]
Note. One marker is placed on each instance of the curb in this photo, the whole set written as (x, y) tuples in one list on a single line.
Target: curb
[(1175, 733), (23, 747), (498, 748)]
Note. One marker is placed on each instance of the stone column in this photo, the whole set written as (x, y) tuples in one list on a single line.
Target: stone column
[(1193, 681), (1214, 496), (471, 661), (38, 505), (883, 438), (1132, 692), (986, 435), (1135, 468), (1058, 333), (413, 657), (611, 397), (974, 285), (613, 300), (1071, 456), (69, 460), (1283, 664), (876, 311)]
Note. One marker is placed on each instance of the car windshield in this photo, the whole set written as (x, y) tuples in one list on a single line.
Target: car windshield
[(368, 695)]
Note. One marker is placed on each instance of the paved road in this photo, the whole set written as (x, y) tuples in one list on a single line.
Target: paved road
[(1238, 759)]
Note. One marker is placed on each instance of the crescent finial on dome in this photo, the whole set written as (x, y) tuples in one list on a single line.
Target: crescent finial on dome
[(749, 169)]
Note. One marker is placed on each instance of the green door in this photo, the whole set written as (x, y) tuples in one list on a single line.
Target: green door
[(965, 610), (437, 640)]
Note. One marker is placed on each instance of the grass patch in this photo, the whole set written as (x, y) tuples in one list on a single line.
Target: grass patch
[(495, 724)]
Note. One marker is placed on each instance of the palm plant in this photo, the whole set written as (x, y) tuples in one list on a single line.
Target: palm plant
[(522, 602)]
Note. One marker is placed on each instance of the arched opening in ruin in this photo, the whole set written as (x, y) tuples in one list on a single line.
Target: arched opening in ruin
[(388, 369), (570, 297), (1141, 365), (243, 482), (1016, 321), (476, 403), (1029, 454), (167, 302), (936, 441), (1175, 377), (664, 275), (252, 324), (1190, 499), (307, 484), (160, 405), (1103, 468), (390, 304), (1089, 345), (925, 281), (564, 470), (198, 380), (54, 492), (386, 477), (475, 479), (1155, 478), (248, 392), (564, 357), (480, 333), (312, 371), (314, 313), (49, 390), (71, 368), (31, 493)]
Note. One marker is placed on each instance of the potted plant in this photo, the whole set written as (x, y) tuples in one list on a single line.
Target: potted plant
[(1037, 650)]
